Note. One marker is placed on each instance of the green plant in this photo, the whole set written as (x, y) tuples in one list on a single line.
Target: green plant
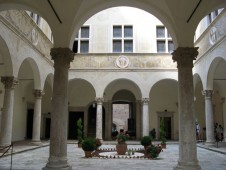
[(154, 151), (162, 132), (97, 143), (88, 144), (79, 130), (146, 140), (121, 138)]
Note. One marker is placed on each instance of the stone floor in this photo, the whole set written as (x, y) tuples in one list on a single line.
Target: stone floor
[(29, 157)]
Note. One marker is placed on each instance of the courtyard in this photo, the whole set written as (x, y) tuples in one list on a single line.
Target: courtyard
[(34, 158)]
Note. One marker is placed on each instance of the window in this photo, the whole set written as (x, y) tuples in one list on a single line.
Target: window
[(81, 43), (164, 40), (122, 39)]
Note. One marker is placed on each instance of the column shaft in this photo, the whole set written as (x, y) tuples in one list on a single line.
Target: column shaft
[(37, 116), (59, 117), (210, 139), (187, 136), (99, 119), (7, 113), (138, 120), (145, 117)]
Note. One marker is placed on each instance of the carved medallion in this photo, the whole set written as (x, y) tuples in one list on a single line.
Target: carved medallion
[(122, 62), (34, 36), (213, 35)]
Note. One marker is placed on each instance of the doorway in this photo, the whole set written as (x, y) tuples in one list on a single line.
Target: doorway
[(73, 118), (167, 124), (30, 114)]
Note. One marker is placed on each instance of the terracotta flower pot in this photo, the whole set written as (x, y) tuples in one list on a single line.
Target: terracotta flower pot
[(121, 148), (88, 154)]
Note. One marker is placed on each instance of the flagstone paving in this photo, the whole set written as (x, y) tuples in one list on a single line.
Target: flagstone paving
[(36, 159)]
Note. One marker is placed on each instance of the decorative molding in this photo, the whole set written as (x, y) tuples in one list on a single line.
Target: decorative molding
[(122, 61), (10, 82), (184, 56), (213, 35), (38, 93), (207, 93), (99, 100), (145, 100)]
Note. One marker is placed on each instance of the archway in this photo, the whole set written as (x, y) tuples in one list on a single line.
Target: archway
[(164, 105)]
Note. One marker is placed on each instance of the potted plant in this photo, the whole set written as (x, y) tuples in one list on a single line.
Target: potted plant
[(162, 133), (88, 145), (79, 132), (97, 143), (153, 151), (121, 146), (146, 141)]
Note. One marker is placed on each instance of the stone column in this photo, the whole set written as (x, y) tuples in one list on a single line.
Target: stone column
[(138, 120), (184, 57), (99, 119), (223, 119), (7, 112), (108, 128), (210, 139), (37, 116), (145, 117), (59, 117)]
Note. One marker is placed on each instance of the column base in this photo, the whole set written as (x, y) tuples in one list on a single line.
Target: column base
[(37, 143), (5, 149), (57, 168), (209, 143), (187, 166), (57, 163)]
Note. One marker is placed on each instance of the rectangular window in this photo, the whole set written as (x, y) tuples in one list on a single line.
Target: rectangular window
[(160, 32), (81, 44), (122, 39), (128, 46), (170, 46), (117, 46), (84, 46), (161, 46), (163, 40), (128, 32), (117, 31), (85, 32)]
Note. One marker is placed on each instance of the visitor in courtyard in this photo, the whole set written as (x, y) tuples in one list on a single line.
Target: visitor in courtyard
[(153, 133), (220, 133), (197, 131)]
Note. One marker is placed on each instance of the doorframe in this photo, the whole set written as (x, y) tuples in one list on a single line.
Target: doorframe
[(165, 114)]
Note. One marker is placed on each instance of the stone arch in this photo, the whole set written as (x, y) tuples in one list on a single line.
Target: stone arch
[(35, 71), (211, 72), (83, 89), (78, 22), (5, 58), (122, 84)]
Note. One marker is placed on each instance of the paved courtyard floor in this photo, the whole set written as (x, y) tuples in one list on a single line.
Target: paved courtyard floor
[(36, 159)]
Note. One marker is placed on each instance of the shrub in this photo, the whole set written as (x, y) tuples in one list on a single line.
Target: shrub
[(146, 141), (88, 144), (154, 151)]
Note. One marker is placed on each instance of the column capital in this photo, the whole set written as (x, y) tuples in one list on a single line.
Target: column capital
[(184, 56), (9, 81), (99, 100), (38, 93), (207, 93), (62, 54), (145, 100)]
